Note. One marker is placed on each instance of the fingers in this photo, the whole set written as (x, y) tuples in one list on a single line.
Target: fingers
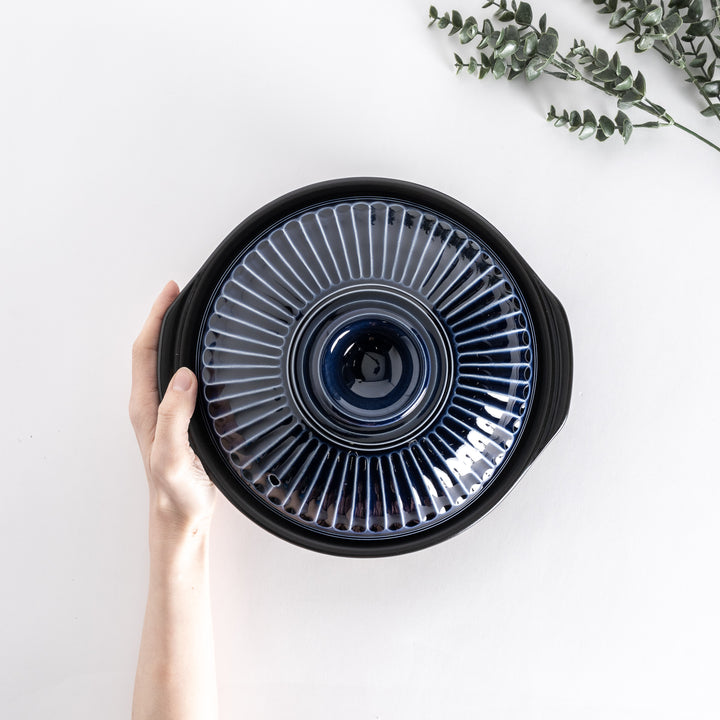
[(171, 452), (144, 392)]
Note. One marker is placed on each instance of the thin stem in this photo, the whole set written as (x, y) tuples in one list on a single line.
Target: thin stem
[(694, 134)]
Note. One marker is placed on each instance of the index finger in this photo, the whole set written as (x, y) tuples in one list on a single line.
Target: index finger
[(144, 392)]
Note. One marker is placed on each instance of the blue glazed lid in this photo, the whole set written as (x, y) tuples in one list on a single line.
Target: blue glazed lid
[(377, 366)]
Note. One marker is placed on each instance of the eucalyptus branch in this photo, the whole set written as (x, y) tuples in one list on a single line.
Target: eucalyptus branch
[(670, 33), (519, 48)]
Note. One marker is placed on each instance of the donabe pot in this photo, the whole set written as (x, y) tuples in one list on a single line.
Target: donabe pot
[(377, 366)]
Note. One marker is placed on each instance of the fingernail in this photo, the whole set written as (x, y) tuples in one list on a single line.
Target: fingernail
[(182, 380)]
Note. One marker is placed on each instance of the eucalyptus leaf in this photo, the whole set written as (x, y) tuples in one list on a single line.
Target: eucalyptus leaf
[(617, 19), (530, 44), (694, 11), (671, 24), (606, 75), (498, 68), (701, 28), (524, 14), (626, 79), (606, 125), (631, 96), (643, 43), (507, 49), (640, 84), (652, 15), (547, 44), (469, 31), (534, 68), (587, 131)]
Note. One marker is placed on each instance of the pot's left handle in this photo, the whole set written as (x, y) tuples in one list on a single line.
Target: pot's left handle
[(168, 356)]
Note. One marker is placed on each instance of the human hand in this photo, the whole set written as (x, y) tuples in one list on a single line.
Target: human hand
[(182, 496)]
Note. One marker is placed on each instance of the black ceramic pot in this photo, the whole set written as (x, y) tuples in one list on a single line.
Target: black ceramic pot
[(377, 366)]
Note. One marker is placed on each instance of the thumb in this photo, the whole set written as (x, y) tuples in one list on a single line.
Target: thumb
[(171, 448)]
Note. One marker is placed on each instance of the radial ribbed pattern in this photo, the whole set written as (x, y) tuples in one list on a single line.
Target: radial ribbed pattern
[(317, 482)]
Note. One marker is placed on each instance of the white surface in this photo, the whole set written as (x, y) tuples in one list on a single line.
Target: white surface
[(135, 136)]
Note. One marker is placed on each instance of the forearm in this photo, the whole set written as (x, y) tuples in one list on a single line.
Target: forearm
[(176, 668)]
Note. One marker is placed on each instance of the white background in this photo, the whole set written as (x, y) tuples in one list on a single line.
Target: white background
[(134, 136)]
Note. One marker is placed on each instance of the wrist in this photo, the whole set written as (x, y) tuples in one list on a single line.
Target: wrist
[(169, 530)]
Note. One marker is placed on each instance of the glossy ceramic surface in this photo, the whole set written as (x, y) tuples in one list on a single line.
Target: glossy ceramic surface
[(367, 368)]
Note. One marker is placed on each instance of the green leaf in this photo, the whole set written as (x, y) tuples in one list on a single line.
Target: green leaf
[(652, 15), (630, 14), (547, 44), (498, 68), (459, 64), (469, 31), (433, 12), (443, 22), (606, 75), (530, 44), (699, 61), (694, 12), (626, 79), (712, 88), (575, 121), (701, 28), (643, 43), (617, 18), (606, 125), (589, 126), (524, 14), (542, 24), (629, 98), (626, 37), (639, 84), (624, 126), (671, 24), (711, 110), (457, 20), (506, 50), (602, 60), (620, 119), (534, 68)]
